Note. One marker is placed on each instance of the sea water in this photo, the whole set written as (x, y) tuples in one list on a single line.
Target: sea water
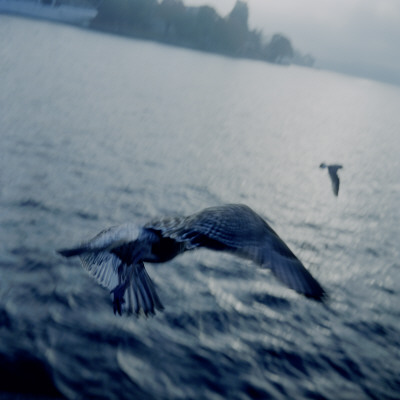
[(97, 130)]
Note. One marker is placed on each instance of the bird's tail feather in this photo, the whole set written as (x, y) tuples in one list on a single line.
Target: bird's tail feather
[(141, 294)]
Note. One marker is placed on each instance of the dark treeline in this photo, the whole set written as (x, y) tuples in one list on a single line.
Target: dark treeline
[(202, 28)]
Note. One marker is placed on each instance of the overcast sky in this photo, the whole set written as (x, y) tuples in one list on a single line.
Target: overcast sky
[(355, 36)]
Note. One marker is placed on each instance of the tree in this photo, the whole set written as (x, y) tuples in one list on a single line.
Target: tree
[(240, 15), (173, 13), (232, 32), (205, 23), (278, 49), (132, 17)]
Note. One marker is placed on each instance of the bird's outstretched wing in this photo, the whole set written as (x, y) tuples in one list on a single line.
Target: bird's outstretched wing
[(109, 258), (290, 270), (239, 230), (333, 174), (332, 169), (98, 255), (228, 227)]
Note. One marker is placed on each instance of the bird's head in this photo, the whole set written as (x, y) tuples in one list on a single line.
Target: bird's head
[(322, 165)]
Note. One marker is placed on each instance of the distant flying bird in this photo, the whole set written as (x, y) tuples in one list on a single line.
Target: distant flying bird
[(332, 170), (115, 257)]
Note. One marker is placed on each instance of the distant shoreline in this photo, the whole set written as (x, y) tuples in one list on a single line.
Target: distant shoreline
[(168, 22), (198, 28)]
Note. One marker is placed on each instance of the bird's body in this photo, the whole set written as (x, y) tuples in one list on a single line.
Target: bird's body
[(116, 256), (332, 170)]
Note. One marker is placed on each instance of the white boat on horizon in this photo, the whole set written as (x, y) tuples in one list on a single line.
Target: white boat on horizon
[(52, 10)]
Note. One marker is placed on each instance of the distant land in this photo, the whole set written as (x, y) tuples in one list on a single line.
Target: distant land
[(171, 22), (200, 28)]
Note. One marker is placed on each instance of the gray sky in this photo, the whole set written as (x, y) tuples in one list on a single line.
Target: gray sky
[(361, 37)]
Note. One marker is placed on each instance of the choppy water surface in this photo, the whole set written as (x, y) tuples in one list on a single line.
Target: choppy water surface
[(97, 130)]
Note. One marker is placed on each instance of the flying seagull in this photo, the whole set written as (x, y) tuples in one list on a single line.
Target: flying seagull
[(115, 257), (332, 170)]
